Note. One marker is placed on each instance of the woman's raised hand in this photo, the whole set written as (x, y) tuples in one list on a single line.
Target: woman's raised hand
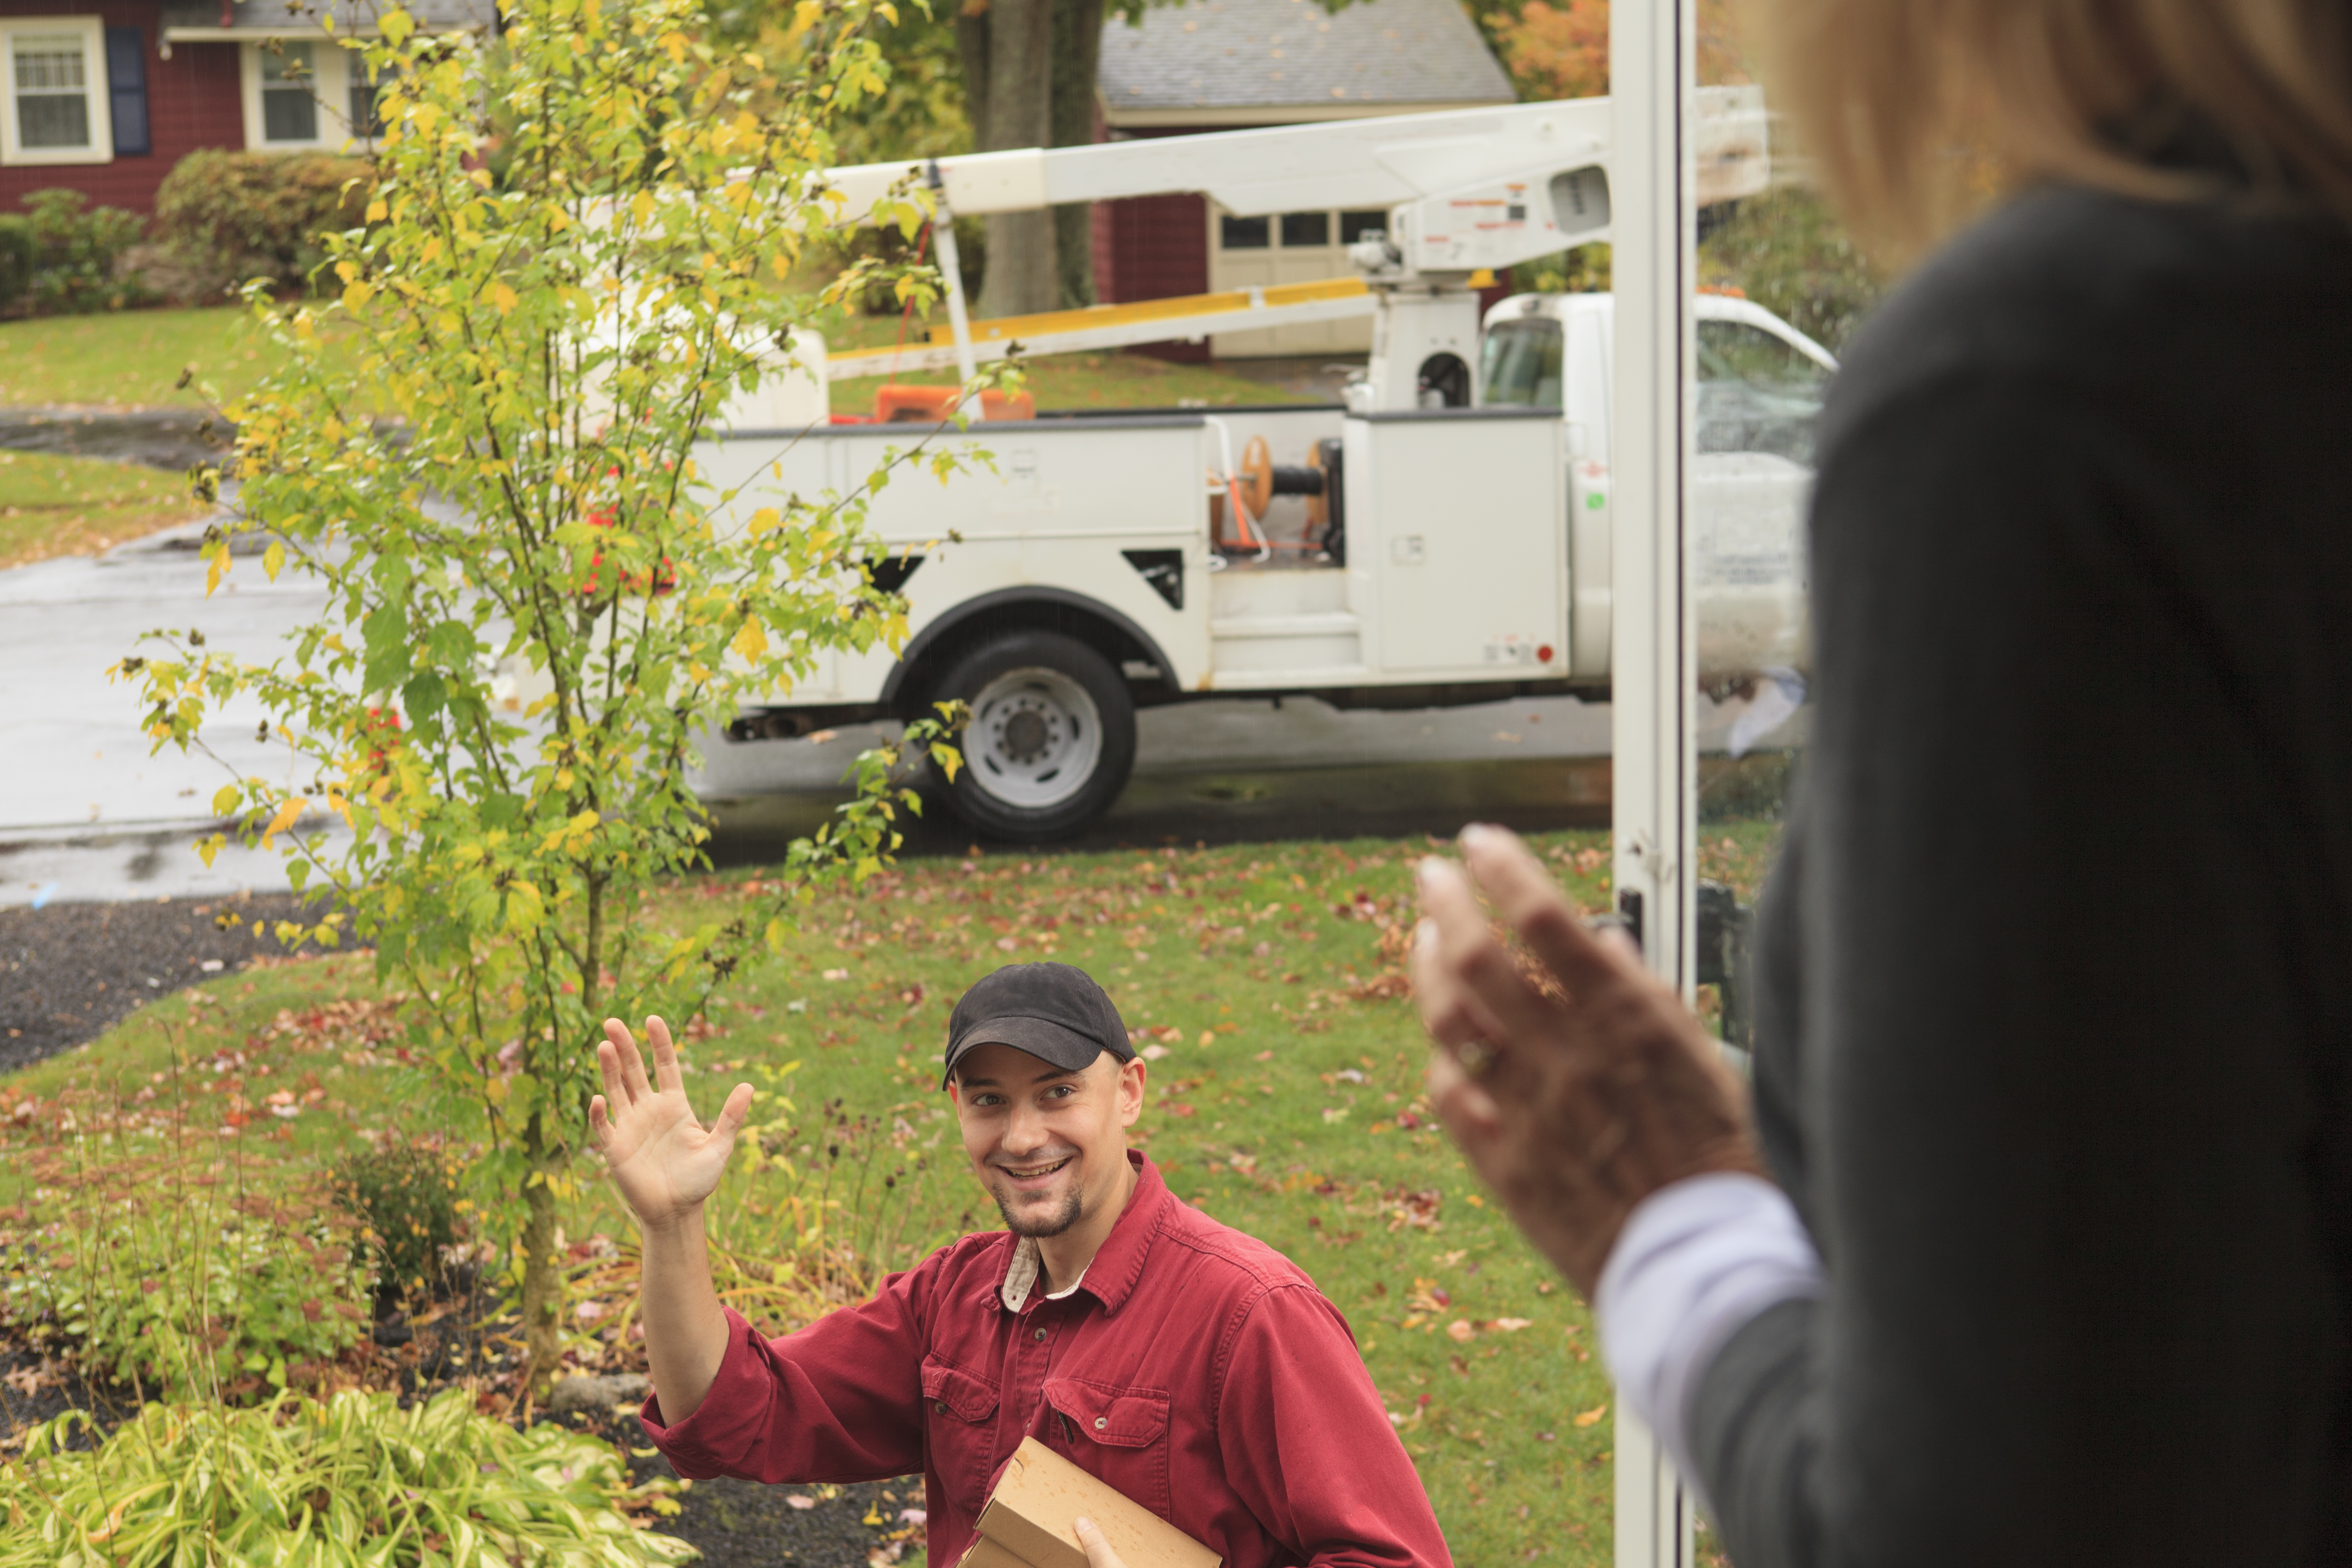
[(1574, 1100), (663, 1160)]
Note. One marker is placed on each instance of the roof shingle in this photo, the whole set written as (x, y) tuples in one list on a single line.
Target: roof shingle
[(1293, 56)]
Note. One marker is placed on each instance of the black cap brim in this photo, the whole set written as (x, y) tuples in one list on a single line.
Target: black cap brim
[(1040, 1037)]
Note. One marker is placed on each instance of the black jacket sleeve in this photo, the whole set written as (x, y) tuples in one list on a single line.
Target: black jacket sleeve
[(2062, 1065)]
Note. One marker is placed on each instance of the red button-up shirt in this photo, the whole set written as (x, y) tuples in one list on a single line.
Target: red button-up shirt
[(1193, 1368)]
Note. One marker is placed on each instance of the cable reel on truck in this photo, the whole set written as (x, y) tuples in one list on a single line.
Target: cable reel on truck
[(1249, 488)]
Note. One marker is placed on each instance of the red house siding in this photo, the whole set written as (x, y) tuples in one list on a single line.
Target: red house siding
[(193, 99), (1154, 248), (1159, 247)]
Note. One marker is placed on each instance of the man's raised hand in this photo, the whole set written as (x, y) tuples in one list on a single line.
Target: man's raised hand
[(663, 1160)]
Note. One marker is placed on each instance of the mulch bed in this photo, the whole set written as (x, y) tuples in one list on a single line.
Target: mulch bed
[(70, 971), (735, 1523)]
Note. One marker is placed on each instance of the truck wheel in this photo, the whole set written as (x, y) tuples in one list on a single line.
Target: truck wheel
[(1051, 737)]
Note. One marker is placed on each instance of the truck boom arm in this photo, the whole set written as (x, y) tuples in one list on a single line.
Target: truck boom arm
[(1375, 162)]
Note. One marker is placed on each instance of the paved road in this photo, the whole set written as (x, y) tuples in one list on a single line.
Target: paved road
[(87, 813)]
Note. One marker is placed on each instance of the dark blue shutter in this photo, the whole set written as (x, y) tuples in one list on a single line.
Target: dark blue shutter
[(126, 90)]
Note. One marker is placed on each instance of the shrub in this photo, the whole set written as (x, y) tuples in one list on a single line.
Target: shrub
[(1786, 250), (19, 255), (406, 1197), (180, 1275), (75, 248), (353, 1479), (260, 214)]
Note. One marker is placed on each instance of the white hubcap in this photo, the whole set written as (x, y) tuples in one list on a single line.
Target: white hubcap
[(1034, 739)]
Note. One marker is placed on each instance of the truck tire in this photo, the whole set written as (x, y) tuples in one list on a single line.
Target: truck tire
[(1051, 737)]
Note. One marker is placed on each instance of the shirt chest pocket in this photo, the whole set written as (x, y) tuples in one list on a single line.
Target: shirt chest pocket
[(1117, 1434), (960, 1431)]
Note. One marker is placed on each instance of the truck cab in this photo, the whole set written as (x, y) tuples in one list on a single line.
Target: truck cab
[(1402, 558)]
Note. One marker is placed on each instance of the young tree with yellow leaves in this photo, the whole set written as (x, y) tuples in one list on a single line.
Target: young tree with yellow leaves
[(551, 347)]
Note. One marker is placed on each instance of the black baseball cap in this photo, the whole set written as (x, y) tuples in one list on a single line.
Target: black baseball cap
[(1052, 1011)]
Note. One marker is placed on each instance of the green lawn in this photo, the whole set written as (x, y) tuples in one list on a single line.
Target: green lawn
[(129, 359), (132, 359), (1286, 1101), (78, 506)]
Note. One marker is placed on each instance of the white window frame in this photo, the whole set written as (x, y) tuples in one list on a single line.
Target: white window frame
[(330, 65), (94, 90)]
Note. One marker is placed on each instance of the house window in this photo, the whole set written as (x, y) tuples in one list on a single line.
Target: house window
[(1243, 233), (289, 102), (126, 90), (305, 94), (53, 92), (1306, 229), (361, 111)]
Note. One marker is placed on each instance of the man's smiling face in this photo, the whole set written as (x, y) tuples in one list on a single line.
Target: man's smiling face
[(1048, 1143)]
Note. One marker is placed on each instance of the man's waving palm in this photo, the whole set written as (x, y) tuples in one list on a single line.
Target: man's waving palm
[(663, 1160)]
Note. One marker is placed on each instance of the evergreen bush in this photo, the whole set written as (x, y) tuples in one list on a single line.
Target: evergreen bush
[(240, 215), (19, 255), (76, 247)]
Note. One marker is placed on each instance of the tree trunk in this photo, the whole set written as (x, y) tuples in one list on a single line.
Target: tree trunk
[(971, 50), (1021, 267), (1077, 49), (542, 1277)]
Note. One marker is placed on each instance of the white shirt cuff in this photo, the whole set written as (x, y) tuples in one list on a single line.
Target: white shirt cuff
[(1698, 1261)]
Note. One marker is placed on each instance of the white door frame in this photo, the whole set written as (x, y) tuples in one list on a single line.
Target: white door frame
[(1653, 638)]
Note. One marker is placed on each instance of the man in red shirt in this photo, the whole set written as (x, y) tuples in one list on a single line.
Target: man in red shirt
[(1193, 1368)]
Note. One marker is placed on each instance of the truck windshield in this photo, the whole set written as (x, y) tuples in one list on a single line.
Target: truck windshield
[(1756, 392), (1522, 363)]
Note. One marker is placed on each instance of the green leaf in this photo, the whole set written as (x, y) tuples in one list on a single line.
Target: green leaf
[(386, 631), (424, 695)]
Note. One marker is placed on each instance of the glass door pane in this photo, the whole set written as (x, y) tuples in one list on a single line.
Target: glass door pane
[(1734, 287)]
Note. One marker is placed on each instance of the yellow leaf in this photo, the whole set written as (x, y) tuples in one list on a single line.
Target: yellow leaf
[(805, 16), (225, 801), (356, 295), (766, 518), (287, 814), (208, 847), (643, 207), (947, 758), (215, 571), (1587, 1417), (377, 212), (273, 559), (751, 644), (504, 298)]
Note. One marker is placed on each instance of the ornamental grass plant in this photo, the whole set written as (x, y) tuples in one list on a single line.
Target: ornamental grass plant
[(352, 1479)]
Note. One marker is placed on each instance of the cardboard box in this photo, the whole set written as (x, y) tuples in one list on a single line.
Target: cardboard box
[(1026, 1523)]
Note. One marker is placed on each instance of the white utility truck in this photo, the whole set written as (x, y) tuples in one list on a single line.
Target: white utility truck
[(1442, 539)]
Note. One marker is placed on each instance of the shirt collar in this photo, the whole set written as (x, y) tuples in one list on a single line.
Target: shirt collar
[(1116, 1263)]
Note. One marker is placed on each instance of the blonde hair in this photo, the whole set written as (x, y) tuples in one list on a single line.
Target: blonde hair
[(1918, 111)]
